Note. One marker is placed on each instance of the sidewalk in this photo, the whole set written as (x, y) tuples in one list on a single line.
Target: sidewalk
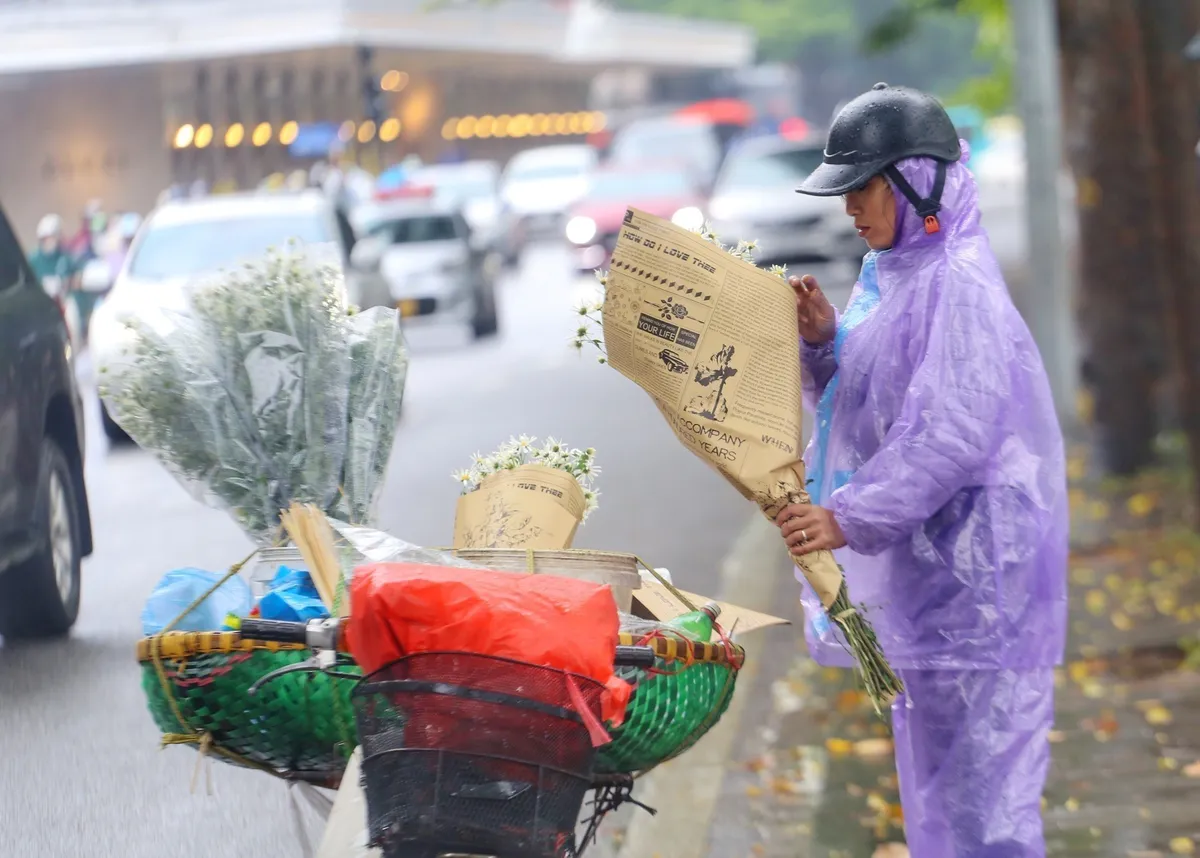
[(812, 773)]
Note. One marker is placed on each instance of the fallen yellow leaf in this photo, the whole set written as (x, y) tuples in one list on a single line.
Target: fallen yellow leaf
[(1182, 845), (838, 747), (873, 748), (754, 791), (876, 802), (1083, 575), (1079, 670), (1098, 509), (849, 700), (1094, 831), (1076, 468), (1071, 805), (1096, 602), (1168, 764), (1158, 716), (1144, 812), (1121, 621), (1093, 689), (1056, 736), (1113, 582), (1166, 605), (1140, 505)]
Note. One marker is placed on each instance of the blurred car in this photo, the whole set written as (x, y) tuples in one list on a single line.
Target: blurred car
[(474, 187), (537, 188), (417, 255), (689, 142), (186, 240), (755, 199), (56, 288), (45, 520), (669, 191)]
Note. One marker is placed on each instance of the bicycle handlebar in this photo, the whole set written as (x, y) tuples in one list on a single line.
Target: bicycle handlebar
[(279, 631), (317, 633)]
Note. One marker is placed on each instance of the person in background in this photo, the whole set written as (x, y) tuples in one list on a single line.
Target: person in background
[(81, 245), (938, 478), (50, 260), (127, 227)]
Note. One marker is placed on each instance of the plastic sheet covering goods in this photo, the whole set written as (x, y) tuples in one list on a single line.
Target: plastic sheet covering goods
[(400, 609)]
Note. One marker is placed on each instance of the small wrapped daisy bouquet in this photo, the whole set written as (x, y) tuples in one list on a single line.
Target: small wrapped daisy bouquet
[(526, 495)]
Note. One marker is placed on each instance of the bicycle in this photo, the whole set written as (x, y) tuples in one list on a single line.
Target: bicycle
[(470, 754)]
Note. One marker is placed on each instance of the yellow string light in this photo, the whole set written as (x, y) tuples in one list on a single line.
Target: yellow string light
[(289, 132), (389, 130)]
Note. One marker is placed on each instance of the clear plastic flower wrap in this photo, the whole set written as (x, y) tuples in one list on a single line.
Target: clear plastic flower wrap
[(266, 390), (375, 546)]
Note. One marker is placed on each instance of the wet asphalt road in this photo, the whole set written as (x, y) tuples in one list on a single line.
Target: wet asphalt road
[(82, 772)]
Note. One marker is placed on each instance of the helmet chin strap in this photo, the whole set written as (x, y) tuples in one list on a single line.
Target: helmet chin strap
[(928, 207)]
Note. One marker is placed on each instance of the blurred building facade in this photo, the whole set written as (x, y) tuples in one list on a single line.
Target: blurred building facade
[(119, 99)]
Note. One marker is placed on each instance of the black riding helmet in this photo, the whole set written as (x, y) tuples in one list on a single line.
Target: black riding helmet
[(877, 129)]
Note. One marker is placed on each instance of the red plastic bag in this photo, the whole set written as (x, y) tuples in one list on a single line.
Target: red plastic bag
[(398, 609)]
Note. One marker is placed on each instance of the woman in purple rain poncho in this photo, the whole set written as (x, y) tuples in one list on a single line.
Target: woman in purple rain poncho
[(937, 477)]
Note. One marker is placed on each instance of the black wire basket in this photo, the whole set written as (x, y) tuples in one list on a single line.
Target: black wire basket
[(477, 755)]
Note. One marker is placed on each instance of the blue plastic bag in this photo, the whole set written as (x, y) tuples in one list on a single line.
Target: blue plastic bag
[(292, 596), (180, 587)]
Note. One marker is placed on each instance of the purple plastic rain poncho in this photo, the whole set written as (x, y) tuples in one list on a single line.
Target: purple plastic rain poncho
[(937, 448)]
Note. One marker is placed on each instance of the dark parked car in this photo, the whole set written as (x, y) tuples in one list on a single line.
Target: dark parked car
[(45, 523)]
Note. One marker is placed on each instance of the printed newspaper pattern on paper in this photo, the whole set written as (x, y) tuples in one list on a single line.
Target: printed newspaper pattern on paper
[(713, 340), (532, 506)]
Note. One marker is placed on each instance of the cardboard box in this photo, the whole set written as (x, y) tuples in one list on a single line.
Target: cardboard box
[(654, 601)]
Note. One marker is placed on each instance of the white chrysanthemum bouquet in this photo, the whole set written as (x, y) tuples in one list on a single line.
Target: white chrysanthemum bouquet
[(526, 495)]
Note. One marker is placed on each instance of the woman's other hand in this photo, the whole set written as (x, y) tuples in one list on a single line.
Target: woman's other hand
[(814, 314), (807, 528)]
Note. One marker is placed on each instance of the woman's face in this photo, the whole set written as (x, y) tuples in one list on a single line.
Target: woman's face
[(873, 207)]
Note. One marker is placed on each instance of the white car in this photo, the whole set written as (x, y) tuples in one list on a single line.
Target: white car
[(418, 255), (184, 241), (755, 199), (537, 188), (474, 186)]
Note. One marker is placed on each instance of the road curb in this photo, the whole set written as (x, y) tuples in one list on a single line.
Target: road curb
[(686, 791)]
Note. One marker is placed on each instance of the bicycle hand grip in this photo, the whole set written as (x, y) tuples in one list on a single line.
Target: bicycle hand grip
[(634, 656), (279, 631)]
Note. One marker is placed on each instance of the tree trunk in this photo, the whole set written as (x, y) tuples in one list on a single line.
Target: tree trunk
[(1167, 26), (1110, 149)]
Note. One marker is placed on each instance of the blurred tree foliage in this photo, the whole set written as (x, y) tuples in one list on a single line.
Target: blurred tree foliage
[(842, 47), (991, 92)]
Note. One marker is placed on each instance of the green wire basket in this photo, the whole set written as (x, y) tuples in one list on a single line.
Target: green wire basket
[(674, 703), (299, 725)]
